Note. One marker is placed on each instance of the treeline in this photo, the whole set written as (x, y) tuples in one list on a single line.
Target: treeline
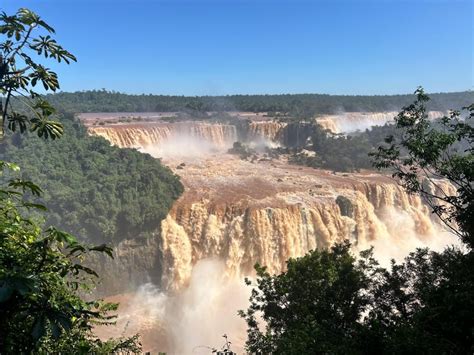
[(294, 104), (96, 191)]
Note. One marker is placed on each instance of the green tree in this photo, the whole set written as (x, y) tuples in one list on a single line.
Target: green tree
[(424, 305), (313, 307), (425, 153), (95, 191), (339, 152)]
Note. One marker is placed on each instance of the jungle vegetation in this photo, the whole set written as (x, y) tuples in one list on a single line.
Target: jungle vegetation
[(96, 191), (293, 105), (341, 152)]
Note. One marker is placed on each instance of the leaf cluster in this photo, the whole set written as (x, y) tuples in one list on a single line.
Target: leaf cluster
[(329, 302), (424, 154), (21, 72)]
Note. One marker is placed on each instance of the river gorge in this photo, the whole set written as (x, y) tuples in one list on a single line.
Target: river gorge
[(235, 213)]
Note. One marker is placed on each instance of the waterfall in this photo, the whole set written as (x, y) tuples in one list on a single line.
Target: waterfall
[(353, 121), (157, 133), (243, 233), (235, 213)]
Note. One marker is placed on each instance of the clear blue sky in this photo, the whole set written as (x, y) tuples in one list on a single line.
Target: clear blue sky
[(204, 47)]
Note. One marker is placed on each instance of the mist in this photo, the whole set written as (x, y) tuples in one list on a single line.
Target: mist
[(193, 320), (183, 146), (401, 236), (237, 213)]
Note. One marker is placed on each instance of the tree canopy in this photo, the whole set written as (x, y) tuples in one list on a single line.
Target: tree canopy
[(292, 104), (41, 271), (96, 191), (42, 274)]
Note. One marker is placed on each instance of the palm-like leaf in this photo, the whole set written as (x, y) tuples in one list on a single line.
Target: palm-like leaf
[(47, 128), (17, 120)]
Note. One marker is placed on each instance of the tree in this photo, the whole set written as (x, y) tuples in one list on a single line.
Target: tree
[(328, 302), (313, 307), (435, 309), (335, 151), (19, 73), (426, 153), (424, 305), (41, 270), (95, 191)]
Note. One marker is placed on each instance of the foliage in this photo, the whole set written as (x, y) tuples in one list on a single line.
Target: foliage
[(339, 152), (336, 151), (93, 190), (351, 152), (41, 274), (242, 150), (20, 73), (327, 302), (424, 153), (311, 308), (424, 305), (298, 105)]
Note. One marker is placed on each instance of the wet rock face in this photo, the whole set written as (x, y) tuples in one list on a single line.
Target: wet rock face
[(345, 205), (296, 135), (136, 262)]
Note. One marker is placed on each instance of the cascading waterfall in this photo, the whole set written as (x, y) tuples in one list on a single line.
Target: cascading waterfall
[(236, 213), (268, 130), (156, 134), (221, 136), (270, 235), (353, 121), (215, 135), (282, 222)]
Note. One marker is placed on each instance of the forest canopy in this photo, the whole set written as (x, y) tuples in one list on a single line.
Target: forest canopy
[(95, 191), (296, 104)]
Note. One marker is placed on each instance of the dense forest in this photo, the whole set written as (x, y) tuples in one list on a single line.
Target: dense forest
[(344, 153), (297, 104), (93, 190)]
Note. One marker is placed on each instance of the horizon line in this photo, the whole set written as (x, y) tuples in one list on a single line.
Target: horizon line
[(252, 94)]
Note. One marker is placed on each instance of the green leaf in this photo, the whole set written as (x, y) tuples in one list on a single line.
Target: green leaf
[(5, 292), (35, 206), (10, 166), (39, 327), (25, 185), (79, 267), (103, 248)]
